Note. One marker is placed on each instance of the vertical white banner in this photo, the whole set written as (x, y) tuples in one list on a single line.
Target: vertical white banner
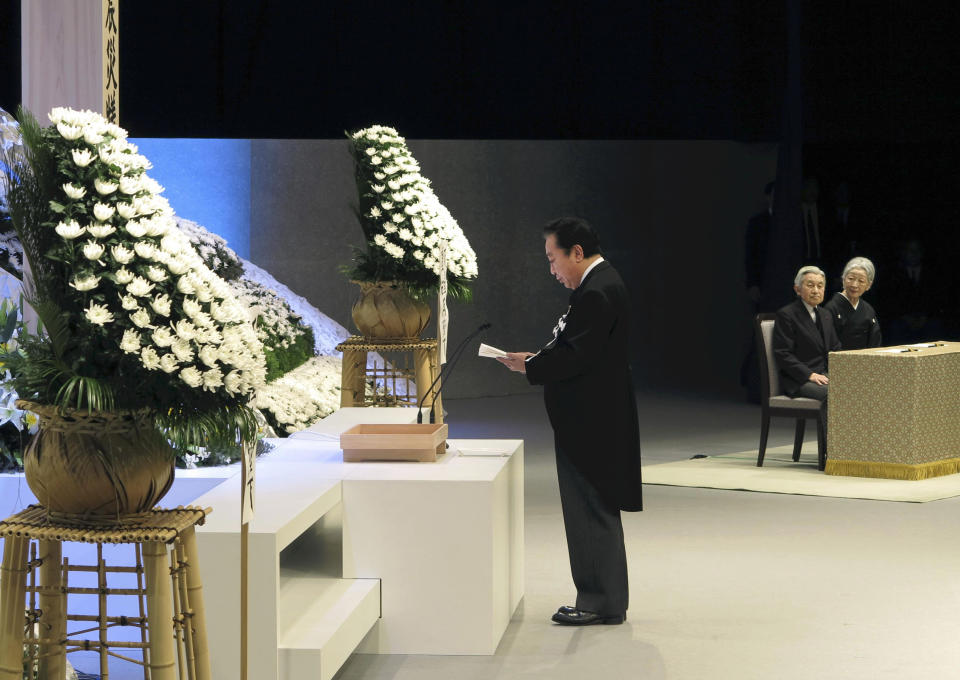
[(443, 317), (248, 481)]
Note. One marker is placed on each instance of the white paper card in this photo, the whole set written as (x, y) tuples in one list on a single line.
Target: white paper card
[(491, 352)]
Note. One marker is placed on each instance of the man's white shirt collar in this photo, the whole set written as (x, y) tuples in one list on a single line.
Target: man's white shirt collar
[(589, 269), (813, 314)]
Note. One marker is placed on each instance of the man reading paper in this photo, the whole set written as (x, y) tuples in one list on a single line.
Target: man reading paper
[(589, 397)]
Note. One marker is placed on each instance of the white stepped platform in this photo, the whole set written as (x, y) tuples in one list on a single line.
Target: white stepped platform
[(323, 619)]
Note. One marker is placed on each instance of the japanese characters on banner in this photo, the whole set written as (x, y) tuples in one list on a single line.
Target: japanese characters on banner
[(248, 481), (443, 316)]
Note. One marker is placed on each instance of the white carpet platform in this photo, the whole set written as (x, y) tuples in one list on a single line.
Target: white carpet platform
[(779, 474)]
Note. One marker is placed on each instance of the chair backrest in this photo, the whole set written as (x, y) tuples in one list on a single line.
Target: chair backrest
[(769, 375)]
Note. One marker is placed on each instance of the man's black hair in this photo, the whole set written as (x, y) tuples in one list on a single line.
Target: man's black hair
[(571, 231)]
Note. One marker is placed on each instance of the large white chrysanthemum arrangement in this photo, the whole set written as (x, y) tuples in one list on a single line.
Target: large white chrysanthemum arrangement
[(403, 220), (142, 319)]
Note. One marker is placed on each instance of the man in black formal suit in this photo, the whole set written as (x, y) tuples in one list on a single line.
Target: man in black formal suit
[(803, 334), (590, 400)]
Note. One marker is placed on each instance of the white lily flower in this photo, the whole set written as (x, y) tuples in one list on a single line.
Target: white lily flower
[(103, 187), (81, 157), (74, 191), (191, 376), (70, 230), (98, 314), (139, 287), (92, 250), (150, 359), (85, 282), (131, 341)]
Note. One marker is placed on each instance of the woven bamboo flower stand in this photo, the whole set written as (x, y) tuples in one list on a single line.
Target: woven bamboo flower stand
[(35, 585), (393, 375)]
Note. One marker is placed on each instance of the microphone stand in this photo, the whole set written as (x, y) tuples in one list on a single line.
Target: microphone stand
[(447, 369)]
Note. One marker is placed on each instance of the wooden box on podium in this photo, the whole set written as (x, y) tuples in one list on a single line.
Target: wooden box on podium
[(413, 442)]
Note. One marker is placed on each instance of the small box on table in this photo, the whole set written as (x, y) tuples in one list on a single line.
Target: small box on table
[(415, 442)]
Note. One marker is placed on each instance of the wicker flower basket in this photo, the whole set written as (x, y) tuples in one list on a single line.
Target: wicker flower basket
[(96, 467), (385, 310)]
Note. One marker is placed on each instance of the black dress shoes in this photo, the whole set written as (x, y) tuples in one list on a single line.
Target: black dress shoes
[(571, 616)]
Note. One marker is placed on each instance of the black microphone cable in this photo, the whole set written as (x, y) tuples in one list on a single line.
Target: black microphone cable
[(447, 369)]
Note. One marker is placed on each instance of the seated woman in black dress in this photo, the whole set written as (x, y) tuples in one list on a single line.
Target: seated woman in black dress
[(853, 317)]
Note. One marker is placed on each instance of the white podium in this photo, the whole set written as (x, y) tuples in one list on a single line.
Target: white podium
[(392, 558)]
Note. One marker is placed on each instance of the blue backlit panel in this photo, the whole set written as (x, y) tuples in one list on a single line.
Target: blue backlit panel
[(207, 181)]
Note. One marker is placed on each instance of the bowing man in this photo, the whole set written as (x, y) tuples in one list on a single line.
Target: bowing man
[(590, 401), (803, 335)]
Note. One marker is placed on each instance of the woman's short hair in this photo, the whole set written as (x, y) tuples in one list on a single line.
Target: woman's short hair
[(861, 263), (571, 231), (808, 269)]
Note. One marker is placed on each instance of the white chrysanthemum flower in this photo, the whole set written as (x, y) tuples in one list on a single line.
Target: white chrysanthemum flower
[(150, 359), (129, 303), (93, 250), (376, 160), (185, 329), (379, 188), (130, 185), (386, 205), (191, 307), (371, 151), (70, 230), (83, 282), (81, 157), (182, 349), (162, 337), (126, 210), (101, 230), (139, 287), (418, 254), (124, 276), (380, 240), (178, 267), (232, 382), (375, 212), (70, 132), (412, 209), (103, 212), (156, 274), (212, 379), (145, 249), (208, 354), (92, 137), (390, 227), (131, 341), (141, 318), (394, 185), (135, 229), (98, 314), (161, 305), (121, 255), (405, 234), (395, 250), (73, 191), (379, 176), (397, 217), (104, 187), (417, 241), (169, 363), (191, 376)]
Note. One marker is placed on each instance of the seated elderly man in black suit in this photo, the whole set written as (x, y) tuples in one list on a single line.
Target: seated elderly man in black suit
[(803, 334)]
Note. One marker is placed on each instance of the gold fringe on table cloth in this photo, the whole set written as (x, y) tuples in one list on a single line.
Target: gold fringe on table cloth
[(861, 468)]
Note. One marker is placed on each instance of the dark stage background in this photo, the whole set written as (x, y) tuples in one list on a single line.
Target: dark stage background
[(852, 92)]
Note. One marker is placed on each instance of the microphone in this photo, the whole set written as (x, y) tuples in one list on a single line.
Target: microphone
[(447, 369)]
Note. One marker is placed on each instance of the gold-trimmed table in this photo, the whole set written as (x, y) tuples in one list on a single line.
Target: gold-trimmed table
[(34, 614), (894, 412)]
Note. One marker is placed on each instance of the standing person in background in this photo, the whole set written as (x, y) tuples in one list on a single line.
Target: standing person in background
[(590, 400), (854, 318)]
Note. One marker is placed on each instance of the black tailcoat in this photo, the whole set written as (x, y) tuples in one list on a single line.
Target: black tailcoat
[(856, 328), (588, 389), (799, 346)]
